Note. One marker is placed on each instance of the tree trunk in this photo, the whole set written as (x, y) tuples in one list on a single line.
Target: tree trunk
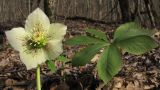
[(124, 6), (149, 12)]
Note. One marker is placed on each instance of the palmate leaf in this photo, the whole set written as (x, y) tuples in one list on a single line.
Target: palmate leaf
[(83, 40), (51, 66), (109, 63), (85, 55), (137, 44), (98, 34), (130, 30)]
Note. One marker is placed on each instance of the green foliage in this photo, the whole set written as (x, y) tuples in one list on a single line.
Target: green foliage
[(84, 56), (109, 63), (129, 30), (96, 33), (62, 59), (129, 37), (132, 38), (137, 45), (83, 40), (51, 65)]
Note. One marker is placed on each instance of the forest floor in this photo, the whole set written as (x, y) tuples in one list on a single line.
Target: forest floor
[(138, 72)]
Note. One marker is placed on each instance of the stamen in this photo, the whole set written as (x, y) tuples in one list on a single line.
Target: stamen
[(38, 39)]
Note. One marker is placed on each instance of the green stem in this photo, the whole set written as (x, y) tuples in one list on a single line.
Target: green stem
[(38, 78)]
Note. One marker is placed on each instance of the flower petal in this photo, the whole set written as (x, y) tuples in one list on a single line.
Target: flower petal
[(37, 17), (31, 60), (57, 31), (54, 49), (16, 37)]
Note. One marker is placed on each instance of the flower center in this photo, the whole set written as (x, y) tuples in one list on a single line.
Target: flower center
[(38, 38)]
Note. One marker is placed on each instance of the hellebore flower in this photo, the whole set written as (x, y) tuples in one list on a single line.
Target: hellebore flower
[(38, 41)]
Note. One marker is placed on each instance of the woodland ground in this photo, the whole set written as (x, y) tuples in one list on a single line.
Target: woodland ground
[(138, 72)]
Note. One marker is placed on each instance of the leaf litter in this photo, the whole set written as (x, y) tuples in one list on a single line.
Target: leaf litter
[(138, 72)]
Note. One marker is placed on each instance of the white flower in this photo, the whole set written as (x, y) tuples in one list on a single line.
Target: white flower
[(39, 40)]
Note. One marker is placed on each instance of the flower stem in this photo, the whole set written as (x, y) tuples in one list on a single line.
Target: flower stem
[(38, 78)]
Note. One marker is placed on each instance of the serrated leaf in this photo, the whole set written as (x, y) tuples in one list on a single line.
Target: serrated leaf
[(129, 30), (51, 66), (109, 63), (137, 44), (83, 40), (85, 55), (97, 34)]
